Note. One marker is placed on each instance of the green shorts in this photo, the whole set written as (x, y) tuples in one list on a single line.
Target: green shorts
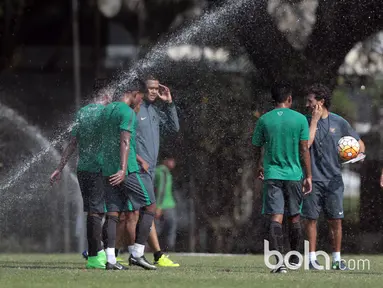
[(130, 195)]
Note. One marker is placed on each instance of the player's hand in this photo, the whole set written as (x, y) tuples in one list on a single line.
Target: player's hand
[(165, 94), (158, 214), (56, 175), (117, 178), (145, 166), (307, 186), (317, 113), (260, 173), (137, 108), (381, 180), (362, 153)]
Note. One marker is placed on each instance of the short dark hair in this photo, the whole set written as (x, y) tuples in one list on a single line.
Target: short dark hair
[(320, 92), (167, 155), (135, 85), (280, 92), (151, 77)]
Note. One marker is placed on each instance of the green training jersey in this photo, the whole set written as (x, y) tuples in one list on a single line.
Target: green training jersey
[(86, 129), (117, 117), (280, 132), (164, 188)]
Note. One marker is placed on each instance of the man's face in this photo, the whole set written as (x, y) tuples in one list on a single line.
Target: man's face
[(171, 163), (290, 101), (311, 102), (152, 87), (137, 101), (133, 98)]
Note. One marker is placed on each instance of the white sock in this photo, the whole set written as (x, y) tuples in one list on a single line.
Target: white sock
[(111, 255), (312, 256), (138, 250), (130, 249), (336, 256)]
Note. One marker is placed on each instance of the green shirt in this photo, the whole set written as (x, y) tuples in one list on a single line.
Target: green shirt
[(86, 129), (118, 117), (164, 188), (280, 132)]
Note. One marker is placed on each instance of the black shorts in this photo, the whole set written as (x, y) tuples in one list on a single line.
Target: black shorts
[(130, 195), (92, 191), (282, 197), (326, 196)]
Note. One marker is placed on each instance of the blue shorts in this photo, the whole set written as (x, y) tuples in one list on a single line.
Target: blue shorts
[(326, 196)]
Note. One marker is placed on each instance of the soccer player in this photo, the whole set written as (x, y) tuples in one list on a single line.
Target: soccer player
[(125, 190), (325, 131), (283, 133), (85, 136), (166, 213), (153, 121)]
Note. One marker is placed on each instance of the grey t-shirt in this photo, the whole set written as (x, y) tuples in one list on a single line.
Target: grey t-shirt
[(325, 161)]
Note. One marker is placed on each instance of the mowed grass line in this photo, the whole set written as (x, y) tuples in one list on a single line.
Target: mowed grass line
[(196, 271)]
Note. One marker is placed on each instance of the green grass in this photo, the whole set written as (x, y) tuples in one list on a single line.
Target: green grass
[(196, 271)]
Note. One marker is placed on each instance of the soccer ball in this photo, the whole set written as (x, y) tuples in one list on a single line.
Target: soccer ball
[(348, 148)]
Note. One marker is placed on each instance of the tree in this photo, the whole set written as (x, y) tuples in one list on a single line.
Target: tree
[(312, 50)]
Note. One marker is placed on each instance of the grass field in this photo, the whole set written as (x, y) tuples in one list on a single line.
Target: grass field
[(196, 271)]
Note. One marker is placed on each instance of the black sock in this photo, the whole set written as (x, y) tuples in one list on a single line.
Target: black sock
[(112, 228), (157, 255), (93, 224), (276, 237), (105, 234), (295, 236), (143, 227)]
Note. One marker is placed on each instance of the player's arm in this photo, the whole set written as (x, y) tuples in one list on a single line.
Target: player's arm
[(304, 152), (124, 152), (169, 117), (160, 190), (306, 160), (68, 152), (126, 127), (258, 141), (316, 115), (313, 130), (349, 131), (362, 146), (143, 163)]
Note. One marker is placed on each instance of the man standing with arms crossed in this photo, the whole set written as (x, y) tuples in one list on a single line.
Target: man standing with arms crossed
[(284, 135)]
